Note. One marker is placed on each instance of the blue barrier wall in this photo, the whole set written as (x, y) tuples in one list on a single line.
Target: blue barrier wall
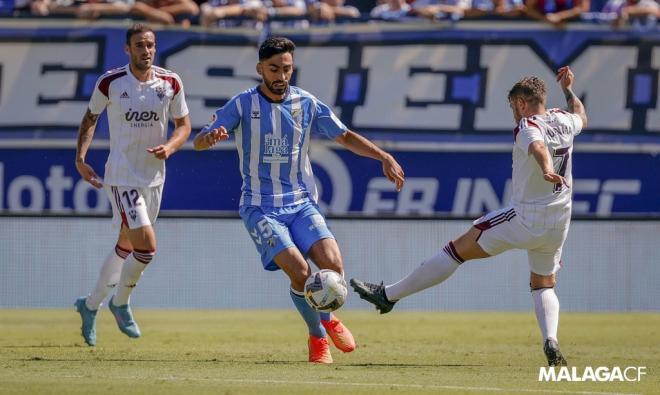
[(457, 183), (434, 97)]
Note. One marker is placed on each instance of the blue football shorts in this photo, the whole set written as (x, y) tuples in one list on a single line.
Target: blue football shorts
[(273, 229)]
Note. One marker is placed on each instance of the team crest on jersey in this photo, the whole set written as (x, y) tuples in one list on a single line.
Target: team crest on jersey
[(276, 149), (133, 214), (160, 92), (296, 115)]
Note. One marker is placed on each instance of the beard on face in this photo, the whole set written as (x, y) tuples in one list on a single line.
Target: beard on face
[(141, 64), (276, 91)]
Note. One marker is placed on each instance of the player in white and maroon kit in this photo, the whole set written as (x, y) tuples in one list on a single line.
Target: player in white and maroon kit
[(537, 219), (140, 99)]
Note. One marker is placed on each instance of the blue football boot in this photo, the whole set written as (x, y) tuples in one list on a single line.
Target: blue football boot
[(124, 317), (88, 317)]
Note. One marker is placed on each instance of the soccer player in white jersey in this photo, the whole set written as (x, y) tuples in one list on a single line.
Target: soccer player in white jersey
[(537, 219), (140, 98), (272, 124)]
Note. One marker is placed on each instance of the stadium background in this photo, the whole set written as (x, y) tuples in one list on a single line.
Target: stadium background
[(434, 97)]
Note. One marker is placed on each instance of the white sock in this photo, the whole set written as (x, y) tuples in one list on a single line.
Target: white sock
[(546, 305), (130, 275), (431, 272), (108, 277)]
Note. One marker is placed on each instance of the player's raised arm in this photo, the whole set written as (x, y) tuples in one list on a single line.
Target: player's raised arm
[(364, 147), (565, 77), (85, 137)]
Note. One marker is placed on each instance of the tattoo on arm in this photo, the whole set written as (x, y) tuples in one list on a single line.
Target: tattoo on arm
[(570, 100), (91, 118), (574, 104), (85, 134)]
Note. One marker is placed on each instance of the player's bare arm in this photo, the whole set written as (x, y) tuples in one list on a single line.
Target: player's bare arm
[(540, 152), (565, 77), (206, 140), (361, 146), (85, 136), (180, 134)]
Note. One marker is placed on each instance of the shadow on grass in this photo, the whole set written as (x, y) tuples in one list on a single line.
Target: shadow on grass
[(268, 362)]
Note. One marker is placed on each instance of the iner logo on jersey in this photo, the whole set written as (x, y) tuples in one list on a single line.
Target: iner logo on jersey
[(141, 119), (144, 116)]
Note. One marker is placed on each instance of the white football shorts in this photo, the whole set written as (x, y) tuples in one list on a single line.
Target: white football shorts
[(134, 207), (503, 230)]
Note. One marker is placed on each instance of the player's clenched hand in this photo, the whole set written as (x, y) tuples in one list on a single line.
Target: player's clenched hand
[(394, 172), (161, 152), (88, 174), (565, 77), (556, 179), (216, 135)]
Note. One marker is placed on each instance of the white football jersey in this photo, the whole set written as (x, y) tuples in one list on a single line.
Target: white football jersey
[(538, 202), (138, 114)]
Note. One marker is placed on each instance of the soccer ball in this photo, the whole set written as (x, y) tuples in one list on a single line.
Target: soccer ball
[(325, 290)]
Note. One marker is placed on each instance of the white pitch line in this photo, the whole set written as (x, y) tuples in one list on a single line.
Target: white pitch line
[(349, 384)]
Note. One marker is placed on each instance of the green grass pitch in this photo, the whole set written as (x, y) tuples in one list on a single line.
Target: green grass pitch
[(264, 352)]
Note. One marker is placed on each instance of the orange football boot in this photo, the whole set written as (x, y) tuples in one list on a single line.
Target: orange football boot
[(340, 335), (319, 350)]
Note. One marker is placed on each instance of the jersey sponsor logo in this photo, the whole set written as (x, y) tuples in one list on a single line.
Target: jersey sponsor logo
[(143, 116), (124, 95), (276, 149), (255, 114), (141, 119)]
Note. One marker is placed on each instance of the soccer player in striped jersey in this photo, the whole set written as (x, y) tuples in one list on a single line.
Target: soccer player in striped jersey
[(139, 98), (272, 124), (537, 219)]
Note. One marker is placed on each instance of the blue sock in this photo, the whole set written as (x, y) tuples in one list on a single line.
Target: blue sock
[(311, 316), (325, 316)]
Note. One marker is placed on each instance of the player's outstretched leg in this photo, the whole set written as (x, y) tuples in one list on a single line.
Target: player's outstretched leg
[(374, 294), (552, 352), (88, 317), (124, 317), (341, 337)]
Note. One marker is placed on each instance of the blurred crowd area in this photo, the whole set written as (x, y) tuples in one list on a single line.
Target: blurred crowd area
[(639, 14)]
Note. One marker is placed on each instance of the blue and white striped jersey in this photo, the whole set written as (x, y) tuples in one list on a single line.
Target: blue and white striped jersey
[(272, 139)]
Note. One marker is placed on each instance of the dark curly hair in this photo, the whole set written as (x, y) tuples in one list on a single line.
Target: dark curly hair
[(274, 46), (530, 89)]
